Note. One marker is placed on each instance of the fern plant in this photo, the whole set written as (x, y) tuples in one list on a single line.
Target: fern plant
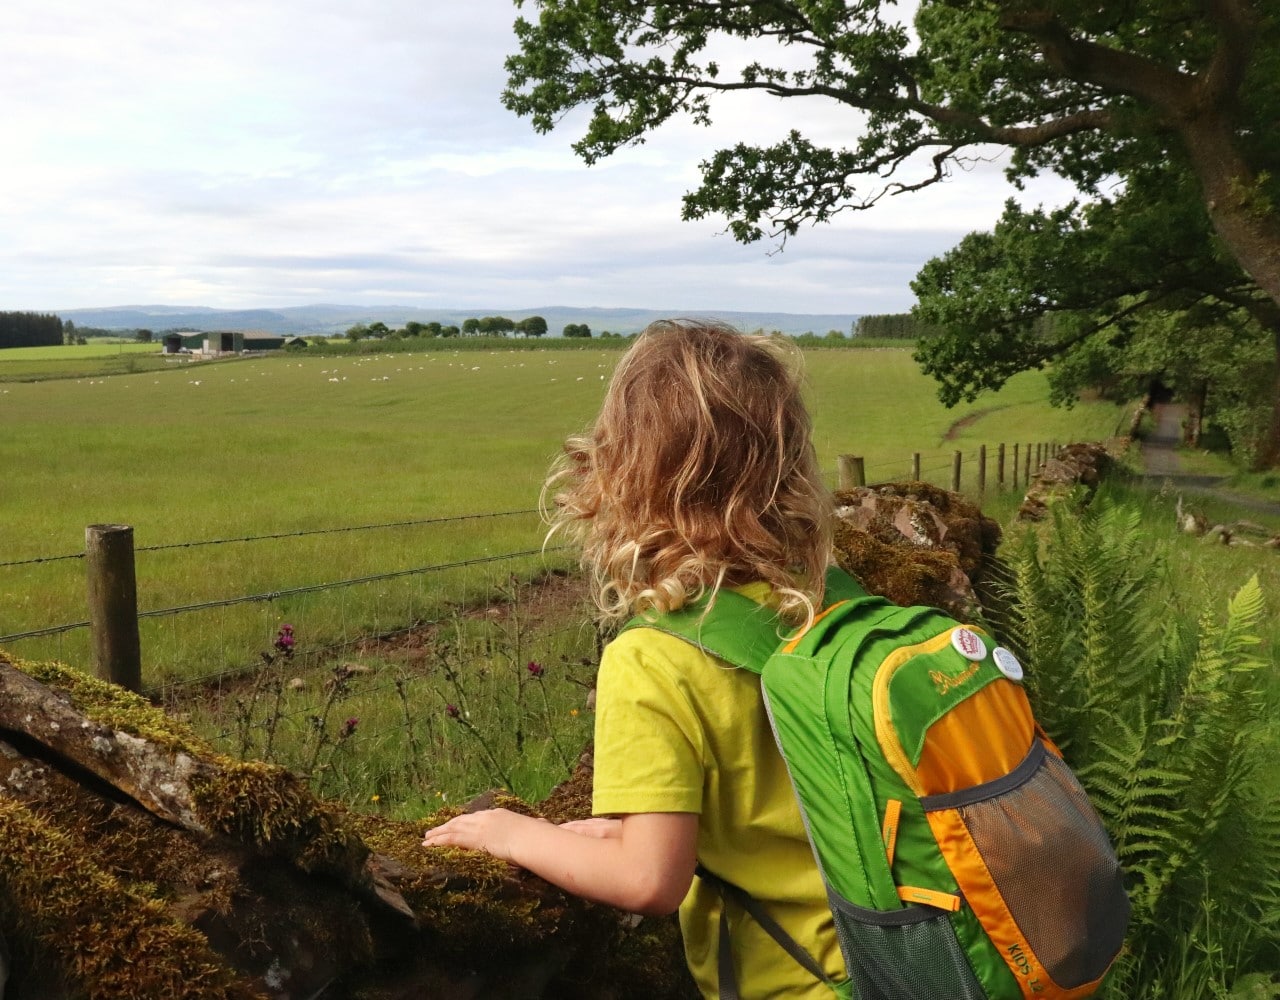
[(1161, 710)]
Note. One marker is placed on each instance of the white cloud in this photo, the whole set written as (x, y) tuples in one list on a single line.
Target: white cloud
[(239, 154)]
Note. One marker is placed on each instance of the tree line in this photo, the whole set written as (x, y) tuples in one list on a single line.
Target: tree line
[(889, 326), (29, 329), (473, 326)]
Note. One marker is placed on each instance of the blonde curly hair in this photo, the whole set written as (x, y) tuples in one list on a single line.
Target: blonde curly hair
[(699, 473)]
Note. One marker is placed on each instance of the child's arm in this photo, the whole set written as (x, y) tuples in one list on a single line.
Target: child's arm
[(647, 868)]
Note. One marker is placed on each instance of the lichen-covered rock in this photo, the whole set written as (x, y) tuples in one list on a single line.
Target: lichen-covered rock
[(1074, 467), (915, 543), (136, 862)]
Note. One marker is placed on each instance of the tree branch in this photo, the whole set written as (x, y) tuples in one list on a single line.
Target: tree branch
[(1222, 78), (1111, 69)]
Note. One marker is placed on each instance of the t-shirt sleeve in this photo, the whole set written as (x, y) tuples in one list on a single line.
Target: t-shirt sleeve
[(648, 736)]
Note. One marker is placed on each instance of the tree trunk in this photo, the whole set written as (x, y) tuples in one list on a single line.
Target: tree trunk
[(1268, 453), (1236, 207), (1194, 423)]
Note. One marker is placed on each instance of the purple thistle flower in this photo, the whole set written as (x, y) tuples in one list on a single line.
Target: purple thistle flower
[(535, 669), (349, 727), (284, 640), (452, 711)]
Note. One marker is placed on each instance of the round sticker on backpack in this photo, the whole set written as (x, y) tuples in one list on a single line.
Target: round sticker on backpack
[(1008, 663), (968, 644)]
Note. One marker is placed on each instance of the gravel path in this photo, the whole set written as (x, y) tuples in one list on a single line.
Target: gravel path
[(1161, 463)]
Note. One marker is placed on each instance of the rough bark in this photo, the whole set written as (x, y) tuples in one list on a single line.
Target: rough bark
[(1231, 194)]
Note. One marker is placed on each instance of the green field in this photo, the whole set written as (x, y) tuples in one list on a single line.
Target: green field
[(92, 360), (279, 444), (64, 352)]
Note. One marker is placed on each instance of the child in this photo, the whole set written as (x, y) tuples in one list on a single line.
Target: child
[(699, 474)]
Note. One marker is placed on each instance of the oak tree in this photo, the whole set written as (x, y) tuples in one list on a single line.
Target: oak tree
[(1108, 96)]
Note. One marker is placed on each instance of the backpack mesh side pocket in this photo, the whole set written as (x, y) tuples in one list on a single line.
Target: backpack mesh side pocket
[(903, 954), (1016, 826)]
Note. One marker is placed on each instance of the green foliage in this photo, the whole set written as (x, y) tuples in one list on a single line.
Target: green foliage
[(1222, 365), (1162, 710), (436, 716), (491, 326), (1177, 101), (532, 326), (1068, 87), (29, 329), (577, 330), (1113, 293), (890, 326)]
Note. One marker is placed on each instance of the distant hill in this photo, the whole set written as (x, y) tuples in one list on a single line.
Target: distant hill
[(330, 319)]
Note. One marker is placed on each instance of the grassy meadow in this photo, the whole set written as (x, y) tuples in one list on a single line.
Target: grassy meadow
[(307, 447), (279, 445), (95, 359)]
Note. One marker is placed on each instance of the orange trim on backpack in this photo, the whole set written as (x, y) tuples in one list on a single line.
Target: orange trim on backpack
[(790, 647), (980, 892), (929, 897), (889, 832), (953, 759), (1048, 743)]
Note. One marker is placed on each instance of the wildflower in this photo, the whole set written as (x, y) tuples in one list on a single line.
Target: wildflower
[(375, 798), (284, 640), (349, 727), (573, 712), (452, 711), (535, 669)]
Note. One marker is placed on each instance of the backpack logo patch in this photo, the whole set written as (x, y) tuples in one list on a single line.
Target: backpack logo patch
[(949, 682)]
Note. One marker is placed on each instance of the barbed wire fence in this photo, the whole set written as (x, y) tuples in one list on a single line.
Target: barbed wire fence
[(387, 647)]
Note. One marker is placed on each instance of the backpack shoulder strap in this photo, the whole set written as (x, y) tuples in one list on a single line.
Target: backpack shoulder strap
[(737, 629)]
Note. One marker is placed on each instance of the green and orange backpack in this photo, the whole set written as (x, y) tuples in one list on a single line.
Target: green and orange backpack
[(962, 858)]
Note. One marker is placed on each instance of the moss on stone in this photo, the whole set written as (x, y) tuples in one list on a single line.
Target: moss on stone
[(115, 707), (904, 576), (469, 901), (271, 809), (108, 939)]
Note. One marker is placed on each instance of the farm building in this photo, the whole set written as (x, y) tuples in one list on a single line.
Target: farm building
[(223, 342)]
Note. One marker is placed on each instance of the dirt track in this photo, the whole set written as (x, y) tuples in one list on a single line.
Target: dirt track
[(1161, 463)]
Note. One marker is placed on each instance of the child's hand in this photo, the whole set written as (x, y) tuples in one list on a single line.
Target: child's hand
[(597, 826), (492, 830)]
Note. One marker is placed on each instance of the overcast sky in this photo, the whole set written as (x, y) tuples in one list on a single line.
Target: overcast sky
[(250, 153)]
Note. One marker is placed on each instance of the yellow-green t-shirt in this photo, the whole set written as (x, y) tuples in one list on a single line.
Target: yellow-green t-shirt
[(679, 731)]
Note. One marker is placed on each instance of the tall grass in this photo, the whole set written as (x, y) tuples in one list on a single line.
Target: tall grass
[(283, 444), (497, 698)]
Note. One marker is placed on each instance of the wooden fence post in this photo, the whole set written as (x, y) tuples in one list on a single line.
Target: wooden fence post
[(915, 466), (1000, 467), (982, 469), (955, 474), (113, 604), (1026, 466), (852, 471), (1016, 453)]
